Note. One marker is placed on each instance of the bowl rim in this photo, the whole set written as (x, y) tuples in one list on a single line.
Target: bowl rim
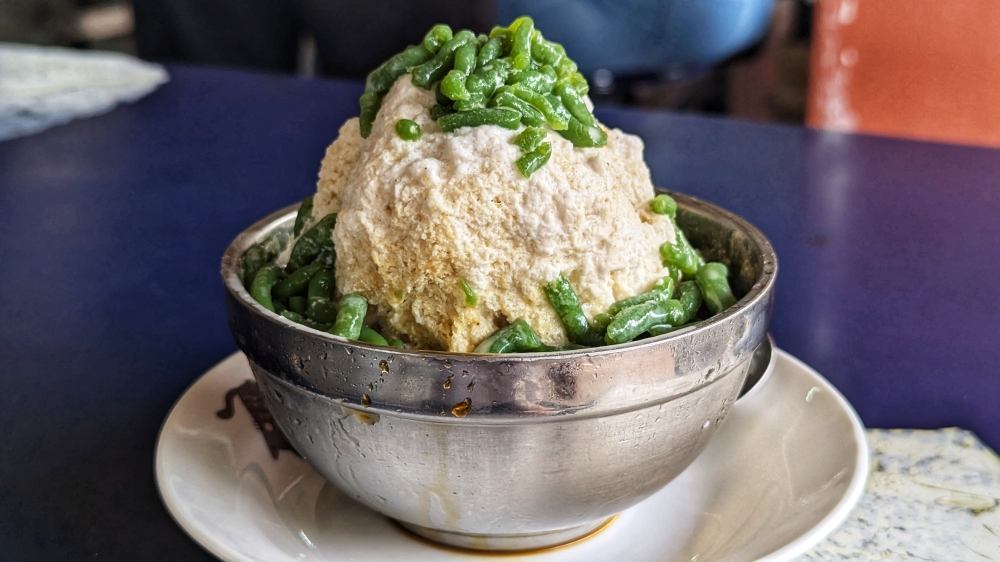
[(258, 230)]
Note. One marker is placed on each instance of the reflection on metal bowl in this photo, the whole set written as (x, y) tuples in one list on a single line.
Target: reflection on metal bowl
[(509, 452)]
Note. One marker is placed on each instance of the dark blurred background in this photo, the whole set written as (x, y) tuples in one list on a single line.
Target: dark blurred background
[(744, 58)]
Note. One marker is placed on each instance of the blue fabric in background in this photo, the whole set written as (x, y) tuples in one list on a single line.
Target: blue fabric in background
[(632, 36)]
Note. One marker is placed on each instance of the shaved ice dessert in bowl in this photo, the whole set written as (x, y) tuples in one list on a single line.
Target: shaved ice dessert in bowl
[(486, 323)]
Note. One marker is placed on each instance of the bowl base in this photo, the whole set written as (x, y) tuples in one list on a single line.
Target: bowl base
[(520, 543)]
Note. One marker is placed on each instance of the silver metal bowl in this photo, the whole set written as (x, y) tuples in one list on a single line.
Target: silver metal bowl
[(508, 452)]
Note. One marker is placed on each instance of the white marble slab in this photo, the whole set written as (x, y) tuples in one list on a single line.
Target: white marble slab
[(931, 495)]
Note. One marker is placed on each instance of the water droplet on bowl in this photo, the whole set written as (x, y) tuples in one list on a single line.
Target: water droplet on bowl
[(812, 392)]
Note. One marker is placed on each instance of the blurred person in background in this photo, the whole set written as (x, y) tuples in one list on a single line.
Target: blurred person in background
[(651, 39), (606, 37), (345, 38), (88, 24), (720, 56), (39, 22)]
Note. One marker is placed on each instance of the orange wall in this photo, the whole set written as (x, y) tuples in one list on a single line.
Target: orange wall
[(927, 69)]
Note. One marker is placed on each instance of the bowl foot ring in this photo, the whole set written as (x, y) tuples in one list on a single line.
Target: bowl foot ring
[(506, 544)]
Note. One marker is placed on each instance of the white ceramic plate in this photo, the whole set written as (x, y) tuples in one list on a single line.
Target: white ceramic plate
[(785, 469)]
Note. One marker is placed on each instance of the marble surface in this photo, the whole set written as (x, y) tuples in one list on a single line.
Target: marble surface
[(931, 495), (47, 86)]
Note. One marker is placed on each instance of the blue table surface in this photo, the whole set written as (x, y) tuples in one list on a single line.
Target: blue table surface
[(111, 230)]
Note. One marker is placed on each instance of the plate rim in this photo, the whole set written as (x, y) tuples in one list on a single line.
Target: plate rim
[(788, 552), (204, 539), (855, 489)]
